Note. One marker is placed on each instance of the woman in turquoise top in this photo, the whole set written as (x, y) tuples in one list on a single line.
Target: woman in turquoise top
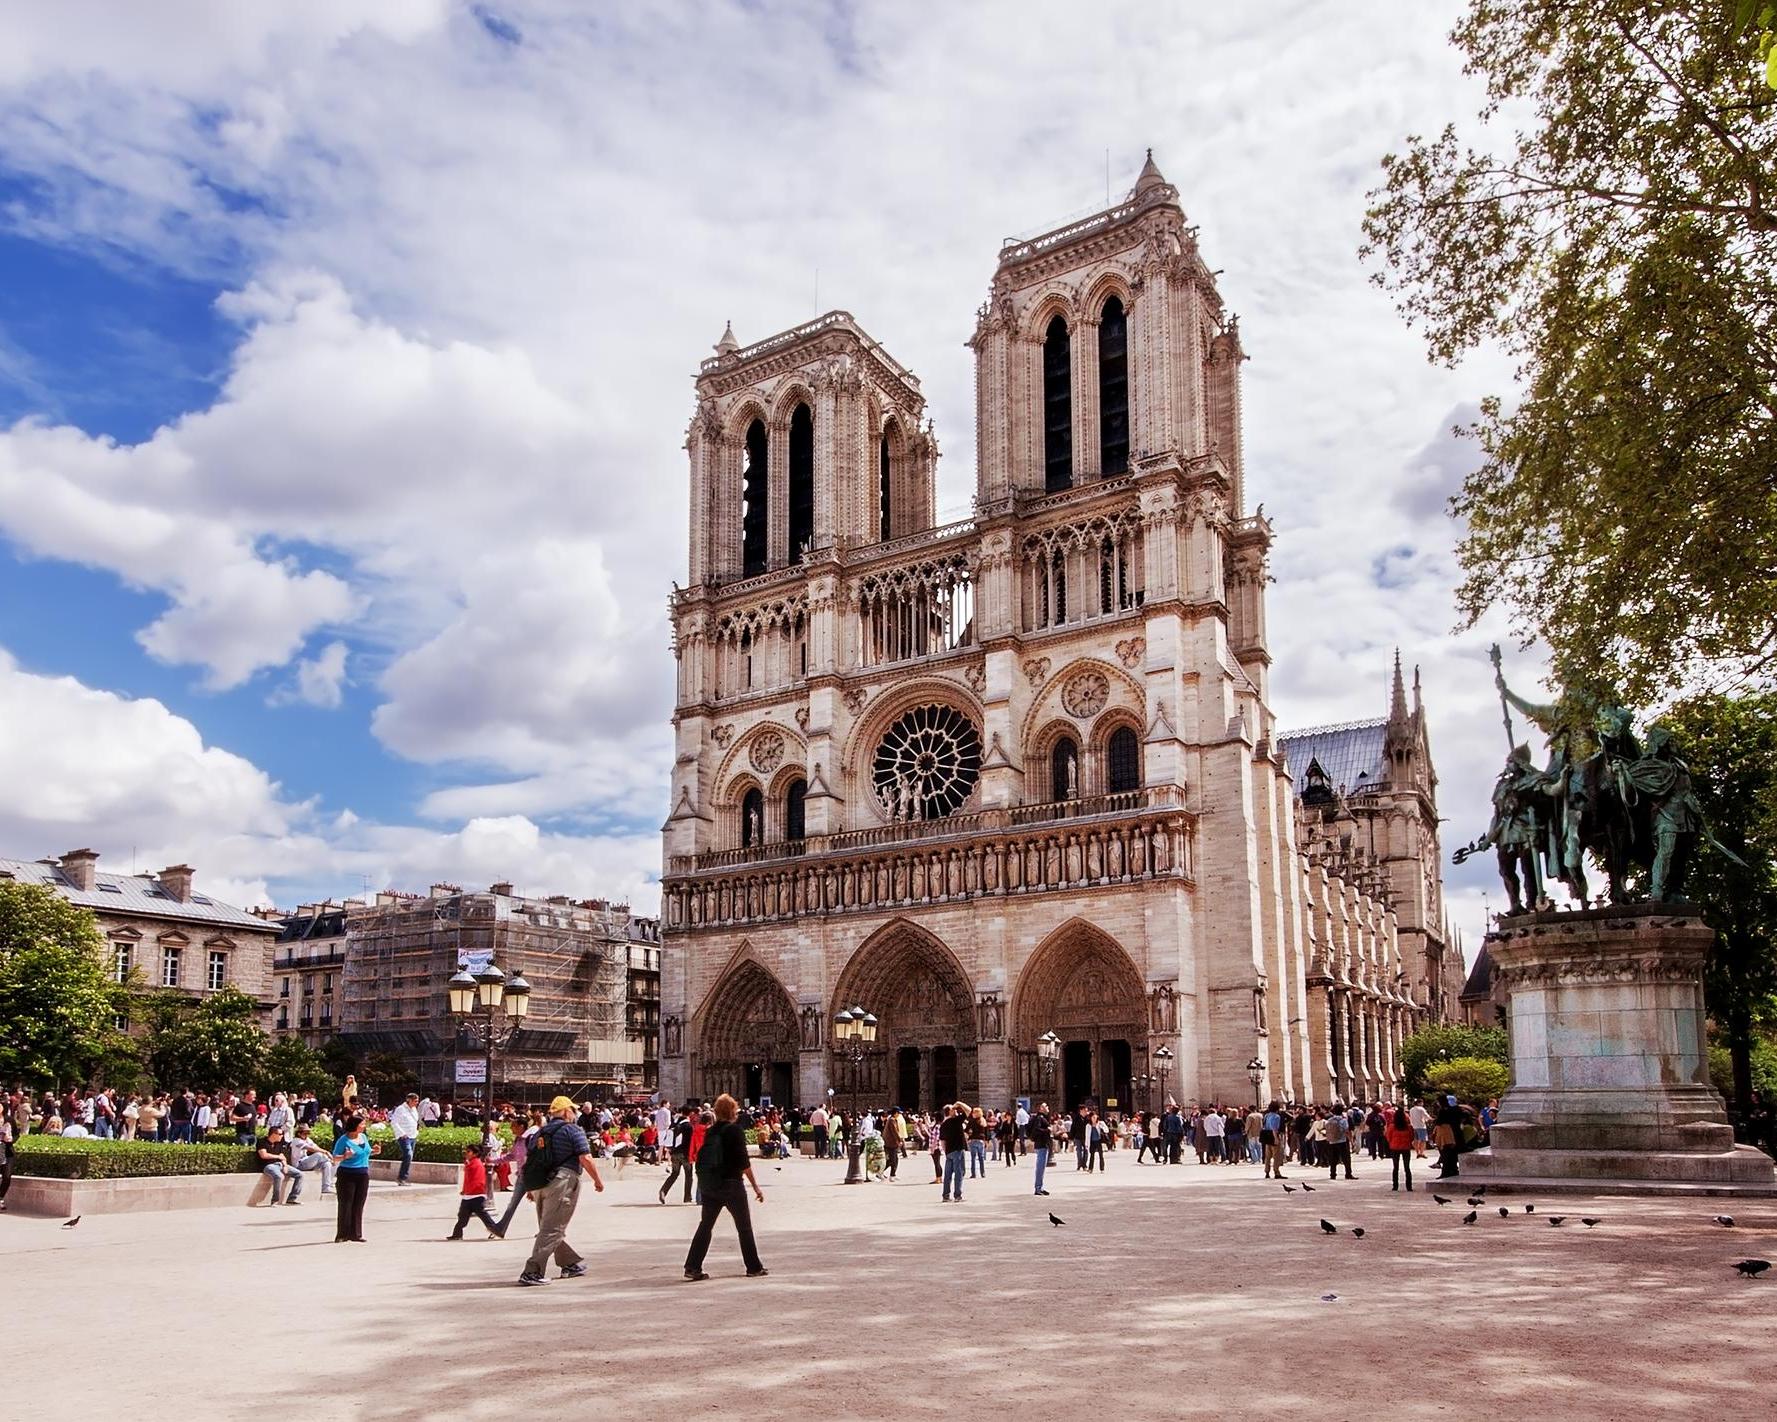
[(351, 1181)]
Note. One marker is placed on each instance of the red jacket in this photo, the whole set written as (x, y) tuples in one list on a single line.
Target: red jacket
[(474, 1176)]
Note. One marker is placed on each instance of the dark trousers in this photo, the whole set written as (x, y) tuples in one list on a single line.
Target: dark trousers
[(820, 1142), (350, 1186), (473, 1207), (1333, 1156), (730, 1195), (681, 1166), (5, 1169), (1096, 1152), (1175, 1147), (1007, 1154), (1447, 1162), (891, 1152), (1403, 1160)]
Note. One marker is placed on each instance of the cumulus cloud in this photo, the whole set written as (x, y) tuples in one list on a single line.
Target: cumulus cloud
[(320, 680), (473, 264)]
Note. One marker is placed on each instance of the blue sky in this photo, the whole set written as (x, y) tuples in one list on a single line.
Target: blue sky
[(345, 356)]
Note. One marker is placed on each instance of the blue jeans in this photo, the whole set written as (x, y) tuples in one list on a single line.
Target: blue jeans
[(1252, 1149), (405, 1145), (101, 1128), (977, 1159), (953, 1171), (1042, 1161)]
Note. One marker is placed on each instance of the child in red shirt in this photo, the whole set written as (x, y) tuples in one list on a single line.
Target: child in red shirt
[(473, 1204)]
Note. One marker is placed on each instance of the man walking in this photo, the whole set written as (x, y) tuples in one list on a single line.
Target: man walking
[(552, 1169), (817, 1122), (1337, 1143), (404, 1120), (953, 1134), (1036, 1131), (680, 1148)]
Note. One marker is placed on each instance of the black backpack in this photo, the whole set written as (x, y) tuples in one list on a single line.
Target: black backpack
[(709, 1159), (540, 1161)]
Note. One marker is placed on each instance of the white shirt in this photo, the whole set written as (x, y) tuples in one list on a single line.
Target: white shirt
[(1418, 1115), (429, 1111), (203, 1116), (1213, 1125), (405, 1121), (663, 1122), (76, 1131), (1022, 1119)]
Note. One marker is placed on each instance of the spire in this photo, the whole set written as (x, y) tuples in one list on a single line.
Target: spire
[(1397, 706), (1418, 700), (1149, 177), (727, 345)]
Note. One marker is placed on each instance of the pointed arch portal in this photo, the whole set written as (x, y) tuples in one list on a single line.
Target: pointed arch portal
[(748, 1038), (926, 1044), (1084, 988)]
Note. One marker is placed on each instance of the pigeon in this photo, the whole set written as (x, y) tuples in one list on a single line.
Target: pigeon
[(1752, 1268), (1328, 1298), (1556, 1219), (1440, 1199), (1725, 1221), (1589, 1220), (1471, 1217), (1472, 1200), (1358, 1233), (1504, 1213), (1289, 1189), (1056, 1220), (1530, 1209), (1480, 1189), (69, 1224), (1309, 1188), (1328, 1227)]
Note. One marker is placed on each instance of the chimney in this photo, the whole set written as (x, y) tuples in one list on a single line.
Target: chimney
[(176, 880), (79, 868), (503, 889)]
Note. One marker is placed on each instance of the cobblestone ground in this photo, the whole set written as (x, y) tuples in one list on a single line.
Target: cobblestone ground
[(1171, 1291)]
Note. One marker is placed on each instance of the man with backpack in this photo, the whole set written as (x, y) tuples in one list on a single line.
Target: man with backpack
[(552, 1169), (724, 1173)]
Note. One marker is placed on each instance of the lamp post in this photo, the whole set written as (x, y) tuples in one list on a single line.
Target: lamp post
[(1163, 1060), (1255, 1073), (1145, 1084), (1048, 1057), (477, 1000), (854, 1031)]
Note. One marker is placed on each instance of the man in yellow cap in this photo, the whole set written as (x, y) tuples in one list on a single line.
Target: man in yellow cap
[(558, 1154)]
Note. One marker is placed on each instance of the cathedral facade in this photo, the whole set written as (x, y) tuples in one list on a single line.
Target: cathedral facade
[(1018, 775)]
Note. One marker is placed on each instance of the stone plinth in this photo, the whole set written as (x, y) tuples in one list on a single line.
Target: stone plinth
[(1610, 1069)]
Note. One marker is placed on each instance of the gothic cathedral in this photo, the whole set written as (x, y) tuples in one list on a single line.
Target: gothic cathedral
[(1013, 785)]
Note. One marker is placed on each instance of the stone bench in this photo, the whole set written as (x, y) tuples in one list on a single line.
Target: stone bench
[(46, 1195)]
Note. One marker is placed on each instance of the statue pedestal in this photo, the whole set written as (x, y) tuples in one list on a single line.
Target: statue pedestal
[(1610, 1071)]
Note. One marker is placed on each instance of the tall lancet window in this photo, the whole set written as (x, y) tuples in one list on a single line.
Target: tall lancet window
[(885, 526), (801, 481), (1058, 409), (1113, 390), (752, 502)]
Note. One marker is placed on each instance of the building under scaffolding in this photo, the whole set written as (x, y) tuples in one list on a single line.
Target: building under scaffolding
[(402, 950)]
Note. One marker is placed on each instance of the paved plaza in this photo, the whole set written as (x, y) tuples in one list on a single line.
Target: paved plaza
[(1170, 1291)]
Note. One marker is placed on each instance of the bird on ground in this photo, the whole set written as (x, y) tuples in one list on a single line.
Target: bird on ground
[(1725, 1221), (1471, 1217), (1306, 1186), (1056, 1220), (1328, 1227), (1480, 1189), (1752, 1268), (1472, 1200), (69, 1224), (1556, 1219), (1504, 1213), (1530, 1209), (1589, 1220), (1289, 1189), (1358, 1233), (1440, 1199)]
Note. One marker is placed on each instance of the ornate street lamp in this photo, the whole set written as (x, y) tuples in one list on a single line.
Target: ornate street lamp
[(1163, 1060), (1145, 1085), (478, 1001), (854, 1033), (1255, 1073), (1048, 1057)]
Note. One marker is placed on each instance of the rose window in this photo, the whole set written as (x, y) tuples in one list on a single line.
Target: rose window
[(927, 764)]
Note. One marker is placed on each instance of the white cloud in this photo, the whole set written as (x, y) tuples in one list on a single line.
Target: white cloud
[(320, 680), (473, 276)]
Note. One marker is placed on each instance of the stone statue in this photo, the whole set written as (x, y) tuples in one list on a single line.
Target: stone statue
[(1677, 819), (755, 827), (1513, 832)]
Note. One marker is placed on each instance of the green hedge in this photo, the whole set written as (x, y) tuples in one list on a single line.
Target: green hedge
[(88, 1159), (442, 1145)]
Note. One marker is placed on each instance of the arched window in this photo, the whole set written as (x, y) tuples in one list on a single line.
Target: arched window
[(883, 532), (801, 480), (1064, 770), (1122, 761), (795, 811), (752, 818), (1058, 409), (753, 481), (1113, 390)]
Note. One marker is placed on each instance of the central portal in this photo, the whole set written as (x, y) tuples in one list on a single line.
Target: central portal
[(926, 1013)]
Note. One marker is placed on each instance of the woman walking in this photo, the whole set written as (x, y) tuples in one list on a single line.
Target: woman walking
[(351, 1179), (1399, 1134), (978, 1134), (723, 1165)]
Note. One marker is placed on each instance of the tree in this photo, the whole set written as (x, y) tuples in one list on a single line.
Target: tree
[(291, 1065), (213, 1043), (58, 1000), (384, 1076), (1469, 1078), (1431, 1045), (1730, 744), (1623, 245)]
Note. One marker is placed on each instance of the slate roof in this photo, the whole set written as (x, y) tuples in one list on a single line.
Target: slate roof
[(1351, 754), (136, 894), (328, 923), (1479, 986)]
